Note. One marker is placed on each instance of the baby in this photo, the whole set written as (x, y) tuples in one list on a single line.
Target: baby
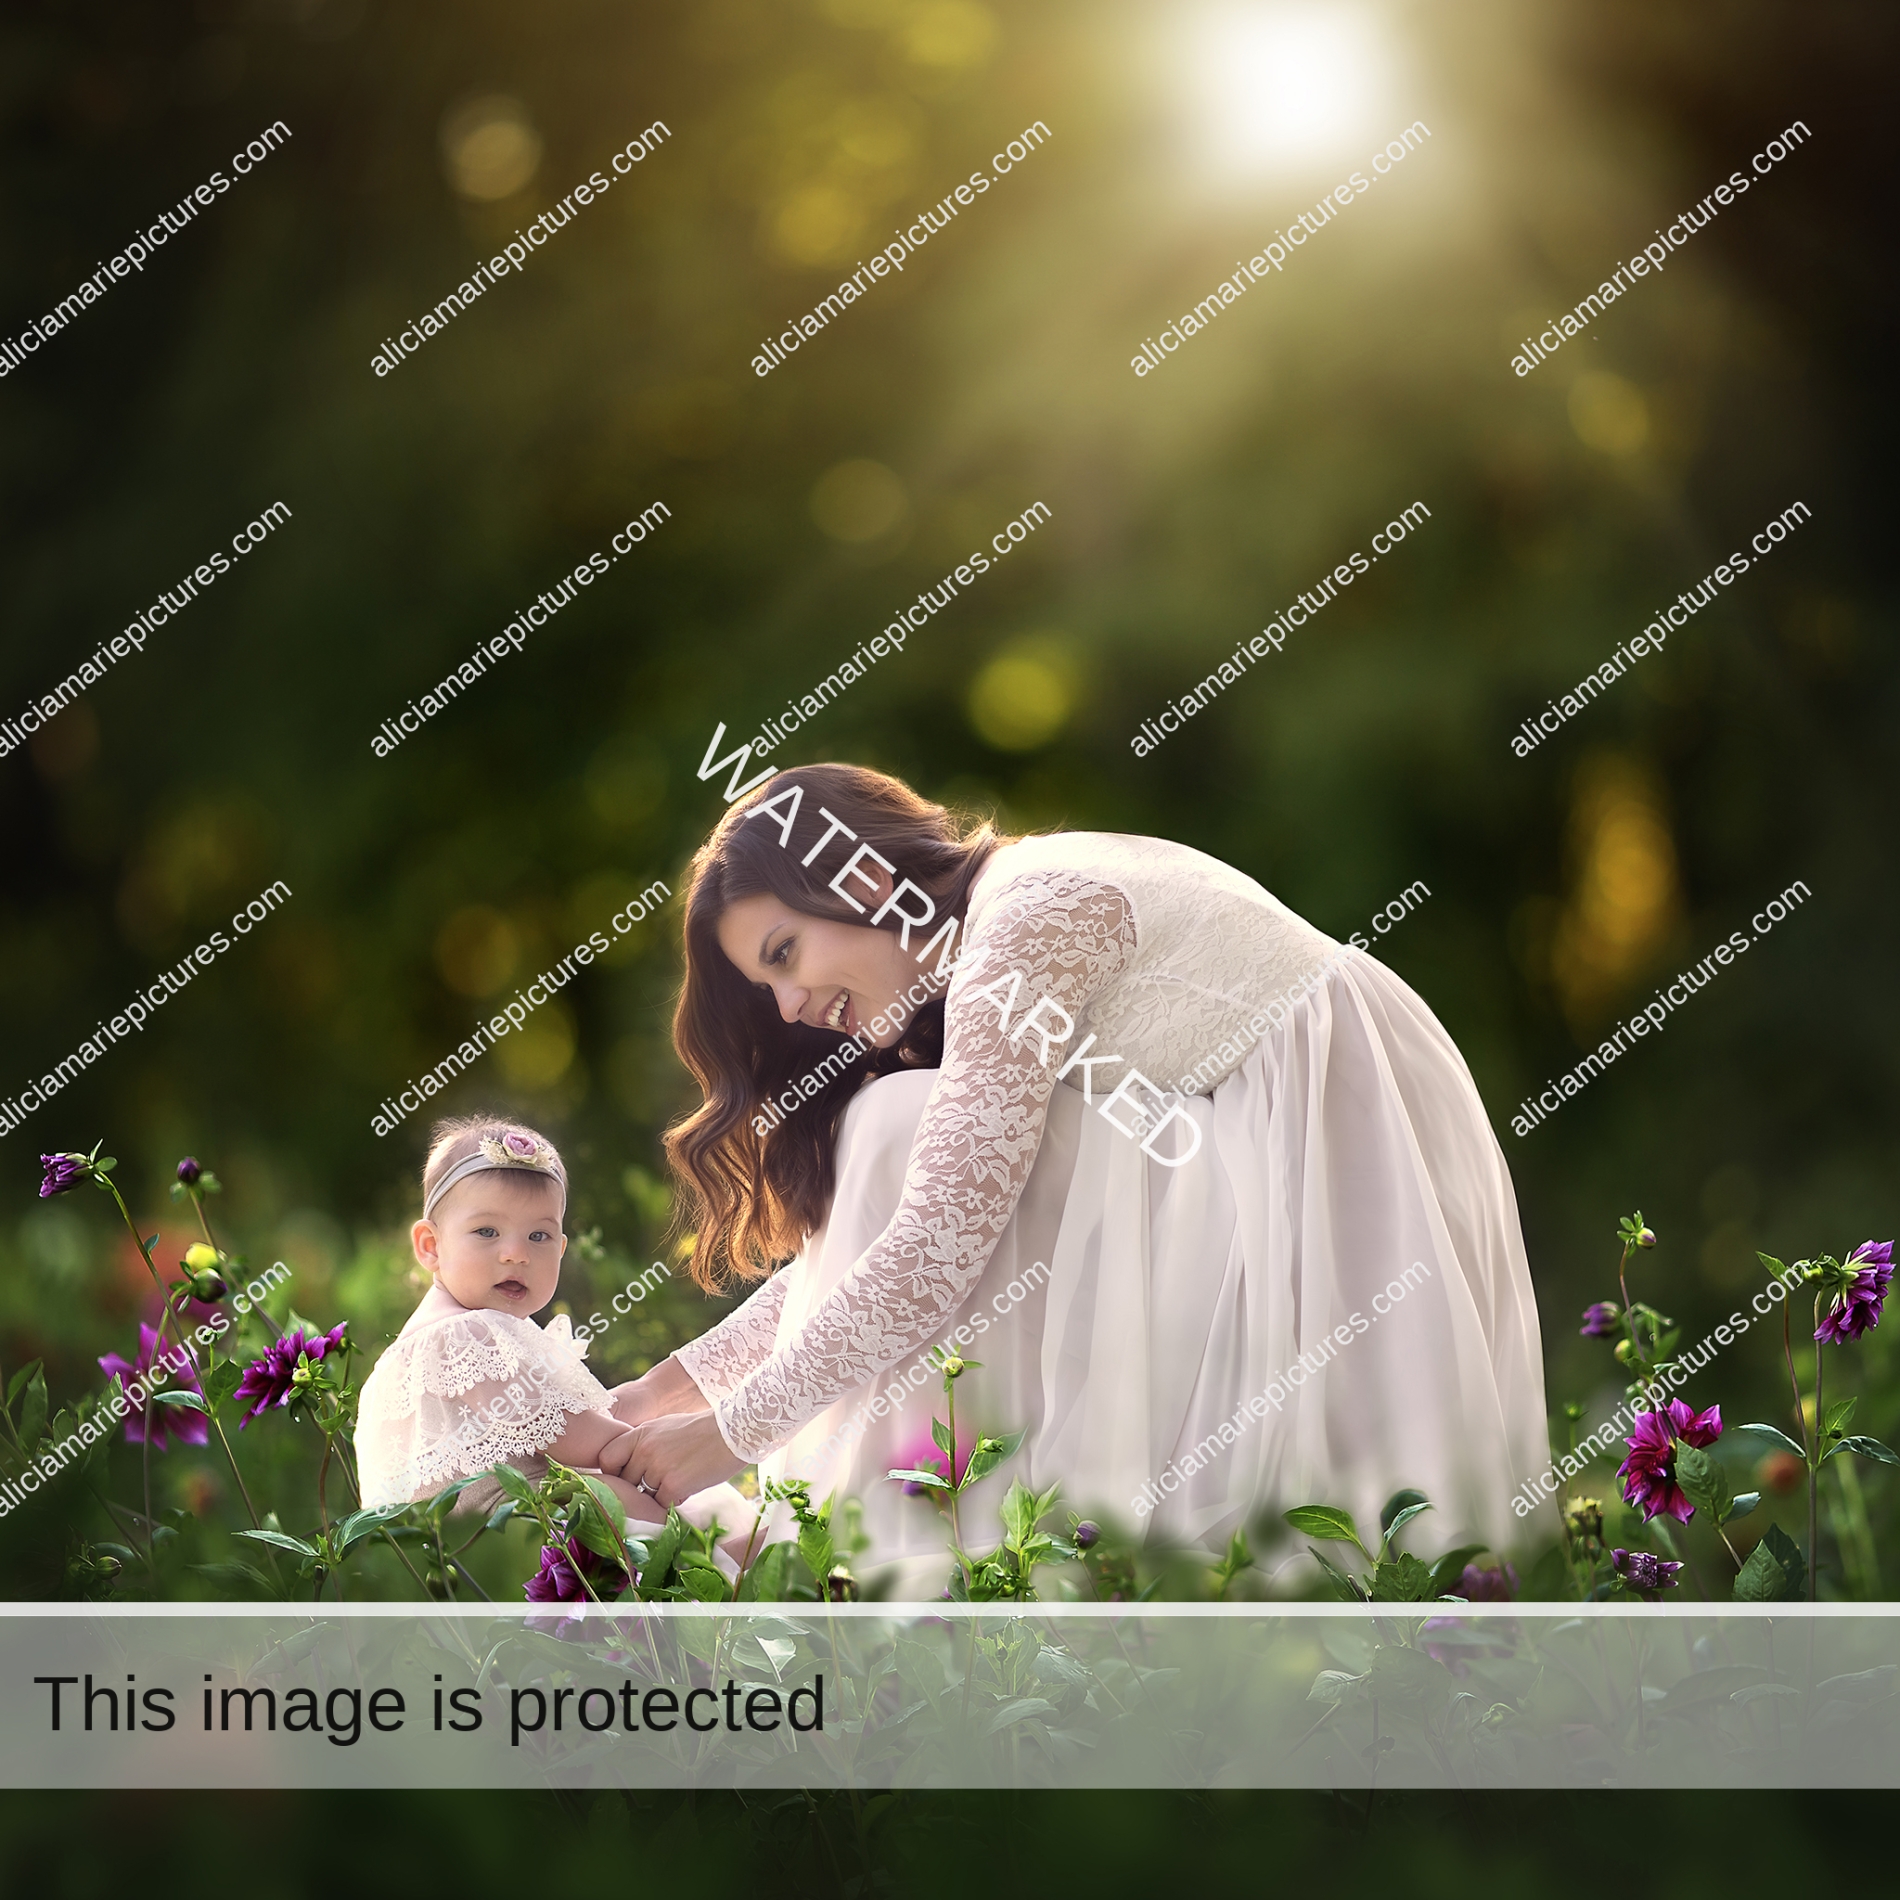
[(471, 1382)]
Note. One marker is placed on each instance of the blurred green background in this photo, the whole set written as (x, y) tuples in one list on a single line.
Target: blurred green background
[(806, 507)]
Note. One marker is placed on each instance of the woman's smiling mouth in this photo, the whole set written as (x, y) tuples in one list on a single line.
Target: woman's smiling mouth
[(836, 1017)]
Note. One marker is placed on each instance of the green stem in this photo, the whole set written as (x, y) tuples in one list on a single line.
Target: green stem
[(1814, 1470), (428, 1595), (758, 1518), (950, 1400), (217, 1425)]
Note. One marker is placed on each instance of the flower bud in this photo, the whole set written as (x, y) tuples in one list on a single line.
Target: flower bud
[(953, 1367), (1645, 1237), (841, 1586), (1625, 1352), (1087, 1535), (189, 1171), (208, 1284), (1583, 1517), (1601, 1320)]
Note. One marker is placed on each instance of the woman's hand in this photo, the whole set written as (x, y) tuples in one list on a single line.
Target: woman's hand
[(673, 1457), (667, 1388)]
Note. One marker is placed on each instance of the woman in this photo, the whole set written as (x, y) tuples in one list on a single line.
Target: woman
[(1211, 1198)]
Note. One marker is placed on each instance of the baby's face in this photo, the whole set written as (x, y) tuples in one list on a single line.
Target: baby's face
[(495, 1240)]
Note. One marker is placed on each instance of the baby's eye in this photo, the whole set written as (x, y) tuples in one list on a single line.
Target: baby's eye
[(488, 1233), (540, 1233)]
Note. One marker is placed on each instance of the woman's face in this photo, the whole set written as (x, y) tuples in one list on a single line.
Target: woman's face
[(830, 975)]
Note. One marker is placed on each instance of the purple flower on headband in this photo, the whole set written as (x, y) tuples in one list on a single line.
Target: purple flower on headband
[(521, 1146)]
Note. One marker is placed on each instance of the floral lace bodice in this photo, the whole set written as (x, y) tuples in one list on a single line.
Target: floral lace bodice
[(1157, 953), (462, 1391)]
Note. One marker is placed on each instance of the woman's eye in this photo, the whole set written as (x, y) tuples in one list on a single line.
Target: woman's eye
[(778, 956)]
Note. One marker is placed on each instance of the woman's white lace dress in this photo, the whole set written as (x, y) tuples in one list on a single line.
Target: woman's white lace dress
[(1323, 1299)]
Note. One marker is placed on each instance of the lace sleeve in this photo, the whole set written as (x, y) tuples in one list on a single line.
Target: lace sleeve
[(722, 1355), (1047, 942), (463, 1394)]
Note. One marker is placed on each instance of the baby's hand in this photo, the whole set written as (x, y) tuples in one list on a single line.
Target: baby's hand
[(614, 1454)]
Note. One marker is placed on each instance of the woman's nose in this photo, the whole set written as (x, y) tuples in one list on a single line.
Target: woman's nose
[(790, 1001)]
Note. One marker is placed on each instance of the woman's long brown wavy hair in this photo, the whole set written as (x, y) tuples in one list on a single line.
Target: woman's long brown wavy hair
[(753, 1198)]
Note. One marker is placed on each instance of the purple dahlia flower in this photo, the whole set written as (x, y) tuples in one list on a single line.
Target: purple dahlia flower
[(272, 1380), (160, 1423), (1649, 1472), (1601, 1321), (1488, 1585), (562, 1567), (1856, 1307), (1643, 1571), (63, 1174)]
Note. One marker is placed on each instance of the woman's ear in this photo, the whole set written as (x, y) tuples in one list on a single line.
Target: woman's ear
[(422, 1242), (878, 893)]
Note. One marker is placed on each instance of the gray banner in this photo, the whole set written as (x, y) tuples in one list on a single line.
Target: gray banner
[(867, 1695)]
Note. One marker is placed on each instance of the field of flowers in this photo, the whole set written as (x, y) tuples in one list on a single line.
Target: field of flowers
[(155, 1483)]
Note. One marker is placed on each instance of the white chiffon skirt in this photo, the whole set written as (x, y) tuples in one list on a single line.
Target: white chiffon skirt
[(1328, 1303)]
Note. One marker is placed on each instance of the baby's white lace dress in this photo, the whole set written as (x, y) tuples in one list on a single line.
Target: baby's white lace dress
[(459, 1394)]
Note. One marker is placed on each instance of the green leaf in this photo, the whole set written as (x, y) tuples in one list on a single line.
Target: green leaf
[(767, 1580), (1867, 1448), (443, 1502), (1701, 1478), (360, 1524), (1775, 1436), (1347, 1589), (989, 1453), (1331, 1685), (184, 1396), (1402, 1519), (1715, 1684), (1022, 1708), (1322, 1520), (613, 1512), (281, 1542), (1398, 1502), (1839, 1416), (703, 1583), (1019, 1512), (33, 1407), (1864, 1685), (940, 1437), (818, 1551), (220, 1381), (1741, 1504), (1773, 1265), (514, 1485), (19, 1379), (1775, 1572), (1450, 1567), (1401, 1579), (934, 1479), (663, 1548)]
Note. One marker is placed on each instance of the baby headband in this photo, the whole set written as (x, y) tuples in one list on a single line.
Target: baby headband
[(512, 1150)]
